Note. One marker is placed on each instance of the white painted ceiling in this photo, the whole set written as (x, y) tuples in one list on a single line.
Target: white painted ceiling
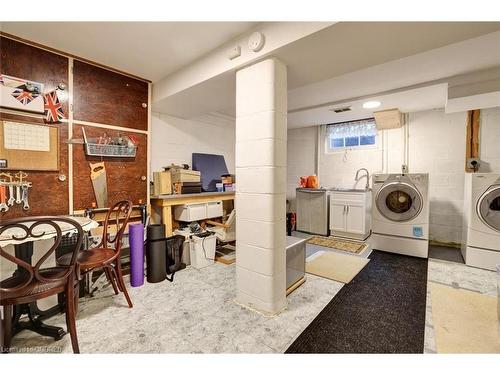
[(411, 100), (350, 46), (150, 50), (335, 66), (353, 61)]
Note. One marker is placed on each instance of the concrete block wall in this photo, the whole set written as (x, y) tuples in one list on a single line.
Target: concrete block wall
[(490, 140), (437, 147), (173, 140), (261, 140), (301, 156)]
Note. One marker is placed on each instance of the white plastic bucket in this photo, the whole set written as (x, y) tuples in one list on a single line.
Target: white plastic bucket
[(202, 251)]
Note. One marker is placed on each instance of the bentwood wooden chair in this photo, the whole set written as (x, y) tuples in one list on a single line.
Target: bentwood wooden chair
[(106, 255), (30, 283)]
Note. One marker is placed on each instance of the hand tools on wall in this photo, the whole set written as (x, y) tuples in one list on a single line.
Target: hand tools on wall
[(24, 198), (3, 205), (11, 200), (17, 190), (98, 177)]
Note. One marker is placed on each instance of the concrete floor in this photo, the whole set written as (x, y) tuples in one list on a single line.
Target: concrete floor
[(194, 314), (459, 276), (451, 254), (197, 314)]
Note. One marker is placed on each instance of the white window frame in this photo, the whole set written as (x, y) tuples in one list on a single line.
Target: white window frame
[(329, 150)]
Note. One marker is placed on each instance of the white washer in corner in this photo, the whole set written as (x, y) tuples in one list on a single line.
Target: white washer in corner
[(400, 214), (481, 229)]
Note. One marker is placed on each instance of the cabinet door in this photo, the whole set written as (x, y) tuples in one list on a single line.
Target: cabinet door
[(318, 211), (303, 219), (337, 216), (355, 218)]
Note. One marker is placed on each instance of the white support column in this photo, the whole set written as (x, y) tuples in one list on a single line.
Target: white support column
[(261, 110)]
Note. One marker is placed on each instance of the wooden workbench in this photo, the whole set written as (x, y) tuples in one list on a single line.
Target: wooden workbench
[(161, 205)]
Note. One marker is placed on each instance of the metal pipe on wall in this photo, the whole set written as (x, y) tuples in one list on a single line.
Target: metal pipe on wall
[(319, 131), (406, 140)]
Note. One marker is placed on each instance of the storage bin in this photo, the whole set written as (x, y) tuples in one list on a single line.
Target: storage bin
[(184, 175), (190, 212), (295, 260), (214, 209), (202, 251), (162, 183), (186, 257)]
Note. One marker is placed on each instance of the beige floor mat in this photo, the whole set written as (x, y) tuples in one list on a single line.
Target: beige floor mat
[(334, 266), (349, 246), (464, 321)]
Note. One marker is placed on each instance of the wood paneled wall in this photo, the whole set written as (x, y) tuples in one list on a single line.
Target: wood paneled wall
[(109, 98), (48, 196), (123, 174), (100, 96)]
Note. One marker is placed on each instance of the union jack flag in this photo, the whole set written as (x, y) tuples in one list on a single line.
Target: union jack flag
[(52, 107), (23, 96)]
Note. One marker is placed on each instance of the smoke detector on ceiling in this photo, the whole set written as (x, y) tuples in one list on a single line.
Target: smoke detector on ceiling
[(341, 109)]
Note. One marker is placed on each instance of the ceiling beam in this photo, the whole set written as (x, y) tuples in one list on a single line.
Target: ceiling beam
[(276, 34)]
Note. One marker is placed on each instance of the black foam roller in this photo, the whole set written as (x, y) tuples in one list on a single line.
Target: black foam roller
[(156, 256)]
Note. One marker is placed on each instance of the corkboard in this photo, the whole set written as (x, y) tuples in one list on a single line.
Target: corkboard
[(27, 160), (48, 195)]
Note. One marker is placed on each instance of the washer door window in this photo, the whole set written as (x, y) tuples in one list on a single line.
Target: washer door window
[(399, 201), (488, 207)]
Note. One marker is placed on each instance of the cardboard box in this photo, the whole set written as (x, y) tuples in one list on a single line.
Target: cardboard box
[(227, 179), (162, 183), (185, 175)]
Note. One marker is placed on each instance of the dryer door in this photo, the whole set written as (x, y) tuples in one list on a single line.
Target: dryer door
[(399, 201), (488, 207)]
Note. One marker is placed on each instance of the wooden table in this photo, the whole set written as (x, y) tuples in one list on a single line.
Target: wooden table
[(164, 203)]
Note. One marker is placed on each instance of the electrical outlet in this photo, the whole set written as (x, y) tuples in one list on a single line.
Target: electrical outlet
[(3, 163), (234, 52), (473, 163)]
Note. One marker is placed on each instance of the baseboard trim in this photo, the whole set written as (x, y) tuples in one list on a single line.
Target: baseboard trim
[(446, 244)]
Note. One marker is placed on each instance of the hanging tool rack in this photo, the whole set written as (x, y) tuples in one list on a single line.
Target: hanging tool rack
[(14, 190)]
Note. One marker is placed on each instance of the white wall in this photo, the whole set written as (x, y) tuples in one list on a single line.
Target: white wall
[(301, 158), (436, 146), (490, 140), (173, 140)]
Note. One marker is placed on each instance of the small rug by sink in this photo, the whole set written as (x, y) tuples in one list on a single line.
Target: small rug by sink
[(350, 246), (338, 267)]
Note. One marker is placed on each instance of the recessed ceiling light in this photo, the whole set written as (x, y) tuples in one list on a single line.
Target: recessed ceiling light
[(371, 104)]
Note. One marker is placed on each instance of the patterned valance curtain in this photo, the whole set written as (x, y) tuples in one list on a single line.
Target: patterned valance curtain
[(361, 128)]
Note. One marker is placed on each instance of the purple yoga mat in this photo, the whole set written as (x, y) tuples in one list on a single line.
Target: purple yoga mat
[(136, 237)]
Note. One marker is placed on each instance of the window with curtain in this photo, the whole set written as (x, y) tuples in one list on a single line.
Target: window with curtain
[(351, 134)]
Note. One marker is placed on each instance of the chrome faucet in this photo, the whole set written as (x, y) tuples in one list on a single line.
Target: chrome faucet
[(367, 175)]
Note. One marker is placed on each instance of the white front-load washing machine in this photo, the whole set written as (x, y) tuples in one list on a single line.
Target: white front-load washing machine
[(400, 213), (481, 228)]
